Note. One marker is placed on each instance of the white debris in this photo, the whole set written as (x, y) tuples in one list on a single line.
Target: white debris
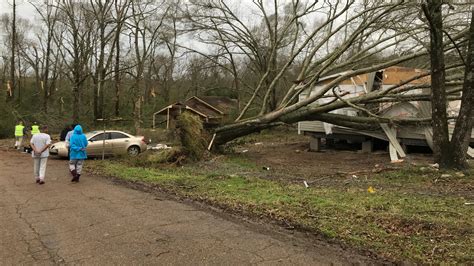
[(258, 143), (460, 174), (306, 184), (434, 165), (244, 151), (159, 147)]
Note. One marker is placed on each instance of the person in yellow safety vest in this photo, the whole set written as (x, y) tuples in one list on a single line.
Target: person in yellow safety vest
[(35, 129), (19, 128)]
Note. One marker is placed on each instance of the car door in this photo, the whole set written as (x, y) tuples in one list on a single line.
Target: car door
[(99, 142), (120, 142)]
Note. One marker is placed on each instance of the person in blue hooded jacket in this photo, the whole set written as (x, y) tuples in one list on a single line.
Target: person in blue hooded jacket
[(77, 145)]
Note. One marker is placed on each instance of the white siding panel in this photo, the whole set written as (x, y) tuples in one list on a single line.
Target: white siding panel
[(311, 126)]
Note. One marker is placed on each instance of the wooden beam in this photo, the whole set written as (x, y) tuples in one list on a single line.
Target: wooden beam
[(392, 138)]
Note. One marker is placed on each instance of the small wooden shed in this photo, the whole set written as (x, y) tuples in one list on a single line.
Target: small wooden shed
[(213, 110)]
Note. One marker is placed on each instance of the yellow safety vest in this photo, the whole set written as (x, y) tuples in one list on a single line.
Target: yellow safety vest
[(19, 130), (35, 130)]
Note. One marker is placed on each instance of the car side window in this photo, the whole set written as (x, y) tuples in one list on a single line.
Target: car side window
[(100, 136), (117, 135)]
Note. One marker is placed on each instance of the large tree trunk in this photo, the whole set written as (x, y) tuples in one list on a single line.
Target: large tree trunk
[(45, 79), (438, 88), (137, 115), (12, 83), (76, 92), (462, 131), (117, 80)]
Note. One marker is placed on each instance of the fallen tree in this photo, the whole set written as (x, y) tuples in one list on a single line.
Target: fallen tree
[(304, 42)]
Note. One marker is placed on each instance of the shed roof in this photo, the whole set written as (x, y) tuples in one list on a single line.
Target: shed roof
[(203, 107), (178, 105), (206, 106), (222, 104)]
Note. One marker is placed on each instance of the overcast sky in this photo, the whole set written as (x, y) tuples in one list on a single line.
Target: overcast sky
[(24, 9)]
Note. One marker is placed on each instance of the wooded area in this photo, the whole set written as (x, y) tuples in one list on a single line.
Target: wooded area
[(83, 60)]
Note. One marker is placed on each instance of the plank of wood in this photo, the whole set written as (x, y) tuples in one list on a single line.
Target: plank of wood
[(393, 140), (212, 141), (393, 153)]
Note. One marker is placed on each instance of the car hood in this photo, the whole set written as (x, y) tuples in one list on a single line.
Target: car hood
[(59, 144)]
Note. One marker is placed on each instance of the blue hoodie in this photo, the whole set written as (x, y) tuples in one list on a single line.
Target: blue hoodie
[(78, 144)]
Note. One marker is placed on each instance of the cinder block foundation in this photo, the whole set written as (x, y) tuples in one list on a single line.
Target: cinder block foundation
[(315, 144), (367, 146)]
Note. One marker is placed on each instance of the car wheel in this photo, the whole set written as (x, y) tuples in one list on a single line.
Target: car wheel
[(133, 150)]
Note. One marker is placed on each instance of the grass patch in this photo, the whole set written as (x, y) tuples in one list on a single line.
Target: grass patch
[(397, 221)]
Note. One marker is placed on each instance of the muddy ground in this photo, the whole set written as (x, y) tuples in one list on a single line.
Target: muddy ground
[(289, 160), (287, 157)]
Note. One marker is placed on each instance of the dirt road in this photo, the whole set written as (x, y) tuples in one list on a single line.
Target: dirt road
[(98, 222)]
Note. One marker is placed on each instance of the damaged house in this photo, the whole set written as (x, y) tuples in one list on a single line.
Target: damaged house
[(397, 136)]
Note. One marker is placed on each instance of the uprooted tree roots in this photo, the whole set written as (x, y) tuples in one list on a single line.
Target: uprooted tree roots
[(192, 136)]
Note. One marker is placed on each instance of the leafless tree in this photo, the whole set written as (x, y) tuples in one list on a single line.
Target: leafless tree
[(449, 152), (121, 11), (110, 17), (12, 83), (74, 38), (42, 53), (144, 25)]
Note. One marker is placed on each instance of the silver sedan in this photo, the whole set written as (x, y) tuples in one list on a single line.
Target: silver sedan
[(109, 142)]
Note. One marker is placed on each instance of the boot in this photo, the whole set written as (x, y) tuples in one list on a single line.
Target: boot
[(77, 177), (74, 175)]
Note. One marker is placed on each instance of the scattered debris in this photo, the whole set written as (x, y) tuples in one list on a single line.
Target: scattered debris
[(306, 184), (460, 174), (468, 203), (297, 151), (354, 176), (443, 178), (159, 147), (244, 151), (258, 143), (266, 168), (371, 189), (436, 165)]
